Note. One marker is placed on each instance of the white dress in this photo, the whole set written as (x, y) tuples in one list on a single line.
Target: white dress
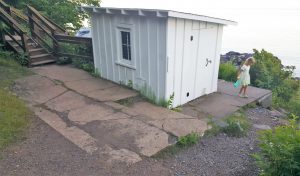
[(245, 75)]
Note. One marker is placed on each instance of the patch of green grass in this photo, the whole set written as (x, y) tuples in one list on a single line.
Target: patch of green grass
[(13, 111), (182, 143), (13, 118), (9, 71), (236, 125)]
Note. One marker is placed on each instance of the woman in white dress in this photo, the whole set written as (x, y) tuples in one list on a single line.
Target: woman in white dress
[(244, 76)]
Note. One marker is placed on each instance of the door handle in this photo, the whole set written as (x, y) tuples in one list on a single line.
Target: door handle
[(208, 62)]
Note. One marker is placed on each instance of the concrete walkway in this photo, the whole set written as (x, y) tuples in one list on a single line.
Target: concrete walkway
[(84, 110), (224, 102)]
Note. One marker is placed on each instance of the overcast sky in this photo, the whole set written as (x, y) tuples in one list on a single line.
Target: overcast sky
[(270, 24)]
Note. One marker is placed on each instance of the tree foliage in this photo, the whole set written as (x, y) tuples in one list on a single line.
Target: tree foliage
[(269, 73), (62, 12)]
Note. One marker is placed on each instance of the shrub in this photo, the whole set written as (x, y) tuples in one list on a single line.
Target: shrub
[(228, 72), (280, 150), (238, 125)]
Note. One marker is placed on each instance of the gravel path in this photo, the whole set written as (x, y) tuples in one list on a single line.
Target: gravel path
[(45, 152)]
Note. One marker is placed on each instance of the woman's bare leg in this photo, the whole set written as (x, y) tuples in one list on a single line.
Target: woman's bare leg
[(241, 90), (245, 89)]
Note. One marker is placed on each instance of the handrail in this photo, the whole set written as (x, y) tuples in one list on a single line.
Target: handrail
[(5, 6), (18, 13), (8, 18), (74, 40), (13, 24), (56, 25), (34, 12)]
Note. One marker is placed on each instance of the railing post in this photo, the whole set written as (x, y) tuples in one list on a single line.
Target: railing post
[(30, 21), (55, 44), (25, 48)]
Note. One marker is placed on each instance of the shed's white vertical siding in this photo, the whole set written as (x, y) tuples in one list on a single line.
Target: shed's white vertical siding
[(148, 50), (188, 74)]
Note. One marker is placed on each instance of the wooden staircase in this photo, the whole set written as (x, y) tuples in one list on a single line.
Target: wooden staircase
[(37, 55), (42, 41), (33, 45)]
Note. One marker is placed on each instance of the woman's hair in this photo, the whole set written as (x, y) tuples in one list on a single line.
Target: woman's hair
[(250, 59)]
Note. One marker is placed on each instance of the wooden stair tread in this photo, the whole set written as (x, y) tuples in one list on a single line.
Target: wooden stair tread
[(36, 49), (40, 55), (43, 62)]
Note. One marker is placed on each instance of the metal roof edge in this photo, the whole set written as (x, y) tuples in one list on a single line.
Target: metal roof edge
[(156, 13)]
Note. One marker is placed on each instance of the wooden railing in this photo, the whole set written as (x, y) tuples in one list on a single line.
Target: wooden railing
[(55, 39), (42, 30), (13, 31), (82, 47)]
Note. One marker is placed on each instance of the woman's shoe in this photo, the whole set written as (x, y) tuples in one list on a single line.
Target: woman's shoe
[(245, 96)]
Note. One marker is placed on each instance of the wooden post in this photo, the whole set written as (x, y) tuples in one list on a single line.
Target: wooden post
[(25, 48), (55, 44), (31, 23)]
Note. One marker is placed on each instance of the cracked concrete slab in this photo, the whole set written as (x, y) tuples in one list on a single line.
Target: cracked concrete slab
[(37, 89), (94, 112), (74, 134), (130, 134), (111, 94), (68, 101), (88, 85), (62, 73), (181, 127), (153, 112), (121, 155)]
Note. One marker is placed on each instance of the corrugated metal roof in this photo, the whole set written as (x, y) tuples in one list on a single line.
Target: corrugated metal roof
[(156, 13)]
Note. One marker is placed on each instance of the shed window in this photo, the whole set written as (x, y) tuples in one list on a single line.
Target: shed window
[(126, 45)]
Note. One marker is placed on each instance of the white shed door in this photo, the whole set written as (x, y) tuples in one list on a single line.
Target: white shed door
[(189, 62), (206, 60)]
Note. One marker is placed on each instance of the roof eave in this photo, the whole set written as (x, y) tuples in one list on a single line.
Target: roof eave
[(200, 18), (154, 13)]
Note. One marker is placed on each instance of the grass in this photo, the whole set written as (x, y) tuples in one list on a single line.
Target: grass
[(13, 111), (235, 125), (182, 143)]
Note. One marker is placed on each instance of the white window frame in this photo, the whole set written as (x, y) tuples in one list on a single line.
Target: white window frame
[(120, 61)]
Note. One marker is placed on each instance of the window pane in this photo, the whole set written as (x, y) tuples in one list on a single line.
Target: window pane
[(125, 53), (124, 36), (126, 48), (129, 53), (128, 38)]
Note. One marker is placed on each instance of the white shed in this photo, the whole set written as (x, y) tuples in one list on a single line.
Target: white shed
[(166, 52)]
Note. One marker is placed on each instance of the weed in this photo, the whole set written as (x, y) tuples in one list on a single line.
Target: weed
[(235, 125), (188, 140), (177, 109), (130, 84), (64, 60), (96, 73), (182, 143)]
